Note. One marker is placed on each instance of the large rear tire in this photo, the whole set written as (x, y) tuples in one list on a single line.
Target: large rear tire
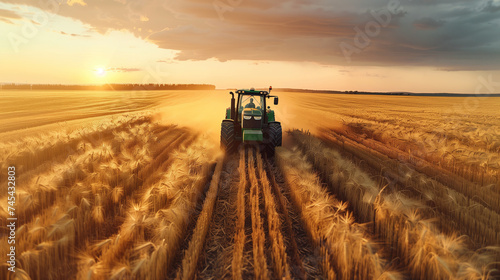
[(275, 138), (275, 134), (227, 136)]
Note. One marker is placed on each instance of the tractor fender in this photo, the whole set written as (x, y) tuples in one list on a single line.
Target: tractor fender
[(270, 116)]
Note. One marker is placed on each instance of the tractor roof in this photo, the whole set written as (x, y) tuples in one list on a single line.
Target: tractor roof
[(252, 92)]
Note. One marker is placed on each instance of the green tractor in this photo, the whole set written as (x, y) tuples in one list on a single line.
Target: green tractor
[(251, 121)]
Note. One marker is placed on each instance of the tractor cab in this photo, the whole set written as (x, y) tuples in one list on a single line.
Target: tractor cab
[(250, 120), (250, 105), (250, 101)]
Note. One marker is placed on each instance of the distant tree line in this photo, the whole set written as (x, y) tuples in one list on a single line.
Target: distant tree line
[(110, 87)]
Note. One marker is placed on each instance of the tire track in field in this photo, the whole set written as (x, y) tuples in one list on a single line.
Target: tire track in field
[(290, 252), (216, 260), (252, 235)]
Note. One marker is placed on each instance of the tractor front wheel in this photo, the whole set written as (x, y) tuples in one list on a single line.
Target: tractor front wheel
[(227, 136)]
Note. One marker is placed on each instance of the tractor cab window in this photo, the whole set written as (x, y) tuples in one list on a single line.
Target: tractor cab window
[(251, 101)]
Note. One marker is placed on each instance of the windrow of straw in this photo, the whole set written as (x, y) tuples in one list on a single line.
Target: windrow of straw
[(278, 250), (345, 247), (258, 236), (149, 240), (427, 252), (192, 254), (239, 238), (469, 216)]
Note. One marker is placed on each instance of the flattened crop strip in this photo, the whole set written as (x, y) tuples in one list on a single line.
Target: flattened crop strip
[(280, 261), (239, 239)]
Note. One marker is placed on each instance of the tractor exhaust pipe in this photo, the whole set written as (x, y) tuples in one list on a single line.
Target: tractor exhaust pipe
[(233, 107)]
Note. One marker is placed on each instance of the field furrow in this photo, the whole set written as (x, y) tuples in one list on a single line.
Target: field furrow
[(258, 235), (488, 196), (88, 204), (196, 244), (477, 220), (330, 226), (303, 257), (150, 238)]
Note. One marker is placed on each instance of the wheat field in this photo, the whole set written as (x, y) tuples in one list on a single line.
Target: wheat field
[(133, 185)]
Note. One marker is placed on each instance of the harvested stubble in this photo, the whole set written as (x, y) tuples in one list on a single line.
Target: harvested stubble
[(258, 236), (239, 238)]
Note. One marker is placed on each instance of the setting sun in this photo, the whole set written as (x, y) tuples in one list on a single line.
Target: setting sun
[(101, 72)]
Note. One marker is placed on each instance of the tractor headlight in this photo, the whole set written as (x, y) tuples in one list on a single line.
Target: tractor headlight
[(247, 117), (257, 118)]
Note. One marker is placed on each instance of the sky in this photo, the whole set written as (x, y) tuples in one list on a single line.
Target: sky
[(364, 45)]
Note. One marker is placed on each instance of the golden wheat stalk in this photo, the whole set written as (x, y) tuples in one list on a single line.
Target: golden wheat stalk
[(192, 254), (397, 219), (330, 226)]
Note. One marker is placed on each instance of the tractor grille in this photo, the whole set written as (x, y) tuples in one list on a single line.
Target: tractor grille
[(252, 123)]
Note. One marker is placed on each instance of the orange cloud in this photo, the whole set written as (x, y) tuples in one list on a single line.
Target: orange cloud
[(79, 2)]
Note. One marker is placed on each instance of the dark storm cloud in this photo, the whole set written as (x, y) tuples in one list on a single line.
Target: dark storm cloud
[(448, 34)]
